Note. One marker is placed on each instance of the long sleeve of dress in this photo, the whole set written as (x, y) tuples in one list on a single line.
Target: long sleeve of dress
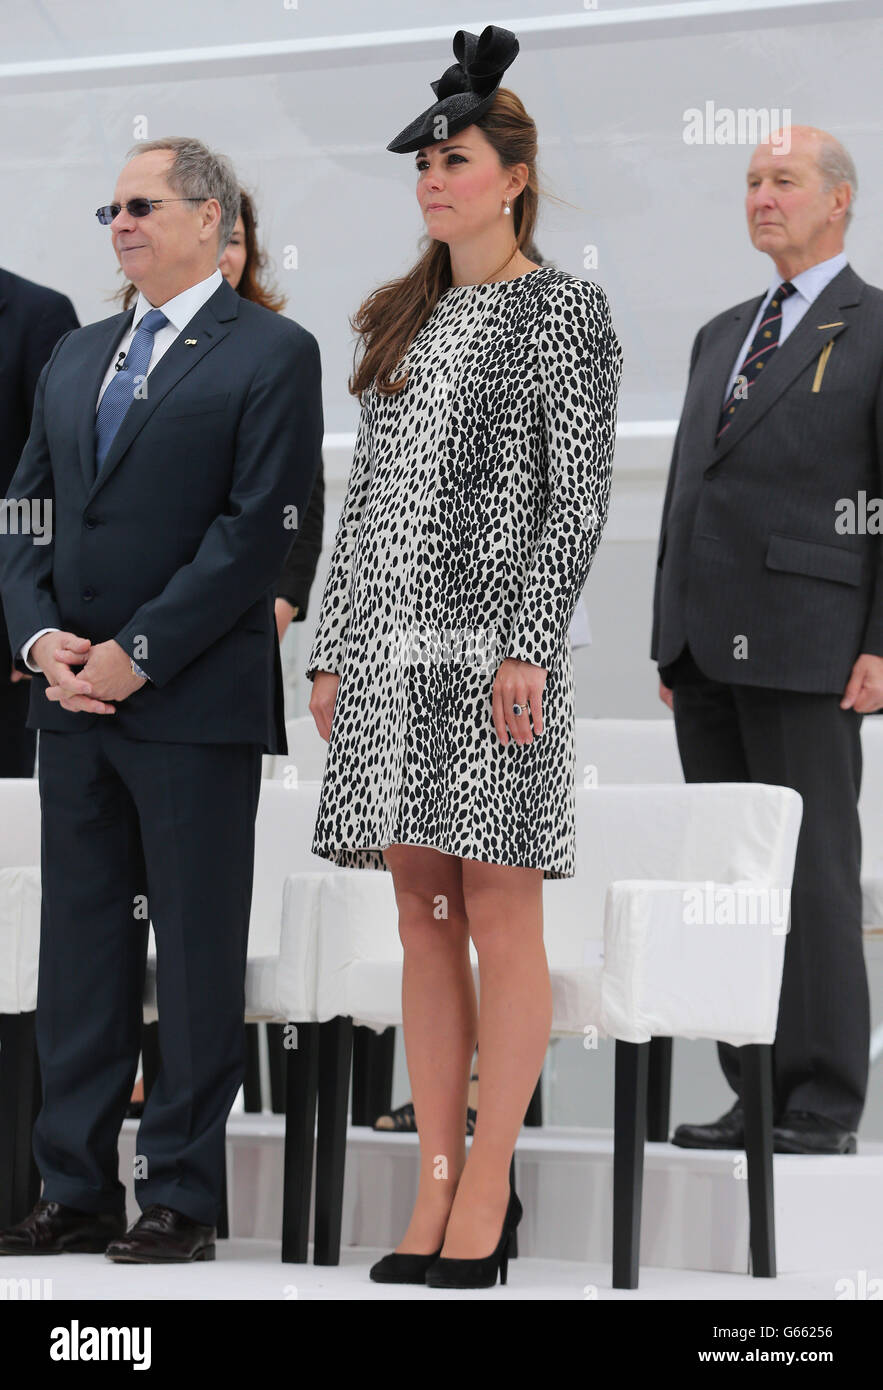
[(329, 642), (580, 368)]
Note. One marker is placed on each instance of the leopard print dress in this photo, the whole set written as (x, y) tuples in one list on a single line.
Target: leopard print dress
[(474, 508)]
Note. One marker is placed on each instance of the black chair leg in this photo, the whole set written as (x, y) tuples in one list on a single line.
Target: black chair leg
[(252, 1101), (629, 1132), (20, 1099), (149, 1055), (223, 1226), (373, 1055), (335, 1059), (380, 1075), (362, 1055), (301, 1084), (757, 1098), (659, 1090), (276, 1059)]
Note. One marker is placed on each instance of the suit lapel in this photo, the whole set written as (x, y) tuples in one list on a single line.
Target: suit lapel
[(208, 327), (825, 319)]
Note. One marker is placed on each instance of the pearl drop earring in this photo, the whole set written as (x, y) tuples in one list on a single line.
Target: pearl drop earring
[(507, 210)]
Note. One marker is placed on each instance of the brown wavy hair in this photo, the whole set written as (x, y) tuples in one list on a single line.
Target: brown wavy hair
[(389, 319), (253, 283)]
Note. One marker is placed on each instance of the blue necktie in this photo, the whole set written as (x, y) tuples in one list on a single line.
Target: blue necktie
[(122, 386)]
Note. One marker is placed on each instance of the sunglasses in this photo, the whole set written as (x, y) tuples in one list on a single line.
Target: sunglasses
[(137, 207)]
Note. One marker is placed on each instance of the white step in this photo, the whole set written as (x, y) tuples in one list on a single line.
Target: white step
[(829, 1211)]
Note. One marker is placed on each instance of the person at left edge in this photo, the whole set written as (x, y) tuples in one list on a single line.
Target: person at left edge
[(173, 515), (32, 319)]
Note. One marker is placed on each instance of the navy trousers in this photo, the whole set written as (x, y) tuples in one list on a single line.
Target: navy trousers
[(131, 831)]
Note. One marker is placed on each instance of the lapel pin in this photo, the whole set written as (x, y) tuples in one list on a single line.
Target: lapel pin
[(838, 324), (823, 362), (190, 342)]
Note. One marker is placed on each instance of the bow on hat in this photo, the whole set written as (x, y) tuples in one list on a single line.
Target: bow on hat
[(480, 63)]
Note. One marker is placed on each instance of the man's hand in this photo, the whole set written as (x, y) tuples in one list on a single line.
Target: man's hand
[(17, 675), (109, 672), (666, 696), (864, 690), (55, 653), (518, 683)]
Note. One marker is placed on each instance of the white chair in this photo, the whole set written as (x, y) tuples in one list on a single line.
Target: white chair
[(625, 958), (280, 974), (19, 955), (613, 751)]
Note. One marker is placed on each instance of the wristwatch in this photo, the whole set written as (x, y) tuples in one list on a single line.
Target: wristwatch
[(136, 670)]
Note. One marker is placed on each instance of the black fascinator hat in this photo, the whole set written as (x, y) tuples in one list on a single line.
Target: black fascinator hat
[(465, 90)]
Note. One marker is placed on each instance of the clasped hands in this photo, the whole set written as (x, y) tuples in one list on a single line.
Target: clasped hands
[(106, 672)]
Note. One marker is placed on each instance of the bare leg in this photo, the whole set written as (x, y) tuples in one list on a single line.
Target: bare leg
[(440, 1026), (504, 907)]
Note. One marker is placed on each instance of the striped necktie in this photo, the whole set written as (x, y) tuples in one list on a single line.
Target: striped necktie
[(121, 388), (763, 345)]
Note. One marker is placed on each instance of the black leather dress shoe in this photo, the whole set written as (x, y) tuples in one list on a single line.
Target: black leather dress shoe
[(800, 1132), (726, 1133), (163, 1236), (54, 1229)]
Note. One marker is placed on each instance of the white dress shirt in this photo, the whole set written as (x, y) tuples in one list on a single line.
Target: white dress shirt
[(179, 311), (809, 285)]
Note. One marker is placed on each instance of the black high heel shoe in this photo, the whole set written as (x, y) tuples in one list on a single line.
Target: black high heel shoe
[(480, 1273), (402, 1269)]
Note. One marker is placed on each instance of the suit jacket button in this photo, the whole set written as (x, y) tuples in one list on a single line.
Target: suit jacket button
[(88, 594), (91, 522)]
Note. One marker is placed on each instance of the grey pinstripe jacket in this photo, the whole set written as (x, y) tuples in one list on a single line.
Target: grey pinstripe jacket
[(758, 568)]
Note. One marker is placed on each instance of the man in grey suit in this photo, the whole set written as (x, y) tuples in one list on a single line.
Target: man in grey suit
[(768, 606)]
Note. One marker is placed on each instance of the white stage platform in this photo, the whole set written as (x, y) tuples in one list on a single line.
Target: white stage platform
[(250, 1270), (829, 1211)]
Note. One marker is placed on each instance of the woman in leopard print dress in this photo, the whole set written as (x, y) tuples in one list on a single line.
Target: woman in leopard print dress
[(478, 492)]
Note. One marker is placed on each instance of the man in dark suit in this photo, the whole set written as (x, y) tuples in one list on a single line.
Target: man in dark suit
[(174, 508), (768, 609), (32, 319)]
